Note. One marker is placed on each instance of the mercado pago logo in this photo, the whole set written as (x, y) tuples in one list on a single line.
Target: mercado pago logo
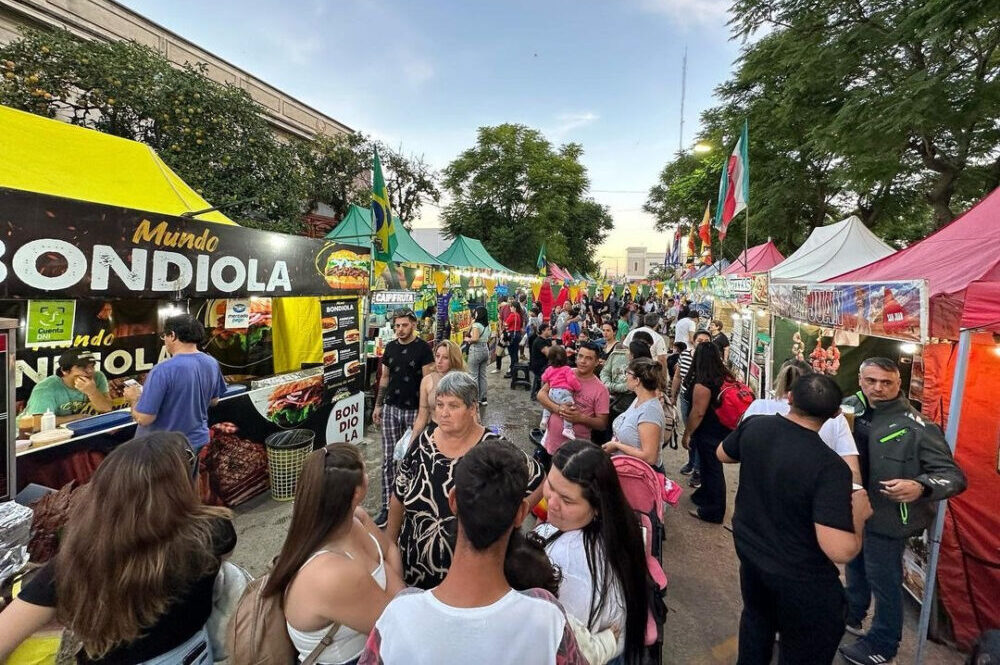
[(159, 269)]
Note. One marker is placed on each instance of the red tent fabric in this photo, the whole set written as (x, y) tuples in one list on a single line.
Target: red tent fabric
[(965, 251), (759, 258), (969, 568)]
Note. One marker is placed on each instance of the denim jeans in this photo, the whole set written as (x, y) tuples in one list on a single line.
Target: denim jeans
[(693, 459), (196, 651), (877, 572), (479, 358)]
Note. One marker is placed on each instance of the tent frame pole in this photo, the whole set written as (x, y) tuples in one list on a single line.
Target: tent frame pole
[(951, 435)]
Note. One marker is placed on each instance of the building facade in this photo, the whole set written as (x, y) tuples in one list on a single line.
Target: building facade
[(108, 20), (638, 262)]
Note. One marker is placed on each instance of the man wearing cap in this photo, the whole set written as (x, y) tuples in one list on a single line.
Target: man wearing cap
[(405, 361), (77, 388)]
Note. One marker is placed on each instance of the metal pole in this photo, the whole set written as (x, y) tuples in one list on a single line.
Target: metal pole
[(746, 241), (684, 71), (951, 435)]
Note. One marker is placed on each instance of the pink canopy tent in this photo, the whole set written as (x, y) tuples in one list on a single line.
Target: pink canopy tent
[(961, 264), (558, 273), (965, 251), (759, 258)]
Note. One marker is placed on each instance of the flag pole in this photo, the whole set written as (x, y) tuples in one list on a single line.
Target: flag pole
[(746, 240)]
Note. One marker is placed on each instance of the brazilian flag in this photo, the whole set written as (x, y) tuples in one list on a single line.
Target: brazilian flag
[(540, 263), (385, 228)]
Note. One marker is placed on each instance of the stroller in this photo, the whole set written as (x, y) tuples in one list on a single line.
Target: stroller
[(644, 490)]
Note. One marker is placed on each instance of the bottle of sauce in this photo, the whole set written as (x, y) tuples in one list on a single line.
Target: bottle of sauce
[(48, 420)]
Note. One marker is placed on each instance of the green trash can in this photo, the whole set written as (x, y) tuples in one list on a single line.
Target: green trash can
[(286, 452)]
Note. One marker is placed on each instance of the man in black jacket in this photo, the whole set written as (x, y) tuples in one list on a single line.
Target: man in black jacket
[(906, 467), (538, 357)]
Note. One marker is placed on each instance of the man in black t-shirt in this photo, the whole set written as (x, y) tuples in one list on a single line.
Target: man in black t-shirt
[(405, 361), (796, 517), (538, 359)]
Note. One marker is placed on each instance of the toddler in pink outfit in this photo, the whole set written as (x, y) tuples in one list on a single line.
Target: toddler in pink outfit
[(562, 384)]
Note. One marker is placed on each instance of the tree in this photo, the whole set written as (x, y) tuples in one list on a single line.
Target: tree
[(887, 109), (337, 171), (211, 135), (513, 190), (410, 181)]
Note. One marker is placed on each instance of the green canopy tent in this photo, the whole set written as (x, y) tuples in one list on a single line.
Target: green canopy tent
[(468, 253), (356, 229)]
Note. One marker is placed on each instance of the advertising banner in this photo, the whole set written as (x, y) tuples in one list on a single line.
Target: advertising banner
[(394, 299), (897, 310), (50, 322), (740, 288), (67, 248), (342, 364)]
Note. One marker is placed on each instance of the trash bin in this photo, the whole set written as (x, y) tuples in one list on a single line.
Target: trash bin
[(286, 452)]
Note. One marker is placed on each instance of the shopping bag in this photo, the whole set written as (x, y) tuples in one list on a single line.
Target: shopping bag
[(403, 444)]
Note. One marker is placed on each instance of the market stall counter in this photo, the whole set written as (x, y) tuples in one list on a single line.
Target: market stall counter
[(119, 274)]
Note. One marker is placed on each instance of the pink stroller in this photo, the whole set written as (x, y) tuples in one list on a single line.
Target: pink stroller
[(644, 490)]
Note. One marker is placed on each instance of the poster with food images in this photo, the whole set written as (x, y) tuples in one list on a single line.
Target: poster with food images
[(342, 362)]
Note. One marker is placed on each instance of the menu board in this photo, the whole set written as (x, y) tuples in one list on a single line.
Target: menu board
[(739, 351), (342, 365)]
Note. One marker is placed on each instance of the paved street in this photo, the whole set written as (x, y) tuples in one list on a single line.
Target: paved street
[(703, 596)]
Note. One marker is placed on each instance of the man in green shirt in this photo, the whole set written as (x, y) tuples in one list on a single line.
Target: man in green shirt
[(76, 388)]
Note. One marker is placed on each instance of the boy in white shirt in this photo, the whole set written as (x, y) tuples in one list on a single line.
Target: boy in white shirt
[(474, 616)]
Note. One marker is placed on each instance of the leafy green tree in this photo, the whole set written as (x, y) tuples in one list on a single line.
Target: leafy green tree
[(513, 190), (211, 135), (887, 109), (411, 183)]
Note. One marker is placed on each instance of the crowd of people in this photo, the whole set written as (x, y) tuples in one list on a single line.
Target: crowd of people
[(450, 571)]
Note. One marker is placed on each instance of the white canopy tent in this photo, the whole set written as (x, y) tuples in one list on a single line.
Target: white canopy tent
[(830, 251)]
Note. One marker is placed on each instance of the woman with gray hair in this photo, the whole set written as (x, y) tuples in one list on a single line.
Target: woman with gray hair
[(420, 518)]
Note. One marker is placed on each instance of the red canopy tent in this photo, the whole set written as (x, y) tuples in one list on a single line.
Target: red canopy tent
[(961, 263), (759, 258)]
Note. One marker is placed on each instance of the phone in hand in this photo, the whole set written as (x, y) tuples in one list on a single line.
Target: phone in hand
[(130, 383)]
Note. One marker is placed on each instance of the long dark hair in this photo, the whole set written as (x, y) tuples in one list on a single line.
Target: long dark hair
[(612, 539), (708, 369), (481, 317), (323, 501), (137, 539)]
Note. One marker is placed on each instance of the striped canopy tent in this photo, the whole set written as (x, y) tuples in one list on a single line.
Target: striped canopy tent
[(356, 229)]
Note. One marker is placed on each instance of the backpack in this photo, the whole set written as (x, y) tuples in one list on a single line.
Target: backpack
[(734, 399), (258, 634)]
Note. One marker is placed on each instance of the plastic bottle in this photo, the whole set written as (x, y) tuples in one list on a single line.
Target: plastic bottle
[(48, 420)]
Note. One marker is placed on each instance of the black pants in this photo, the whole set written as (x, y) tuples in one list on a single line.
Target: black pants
[(809, 616), (536, 382), (514, 348), (711, 496)]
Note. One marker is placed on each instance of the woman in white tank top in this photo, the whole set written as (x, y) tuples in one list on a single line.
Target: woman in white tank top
[(336, 566)]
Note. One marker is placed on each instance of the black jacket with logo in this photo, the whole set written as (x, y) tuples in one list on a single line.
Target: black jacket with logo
[(896, 442)]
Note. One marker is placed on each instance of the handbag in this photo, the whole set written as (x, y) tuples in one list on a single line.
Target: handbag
[(258, 634)]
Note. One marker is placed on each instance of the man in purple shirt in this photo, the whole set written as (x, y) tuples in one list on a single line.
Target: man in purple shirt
[(179, 390)]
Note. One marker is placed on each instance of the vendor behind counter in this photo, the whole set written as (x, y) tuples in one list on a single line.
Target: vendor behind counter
[(76, 389)]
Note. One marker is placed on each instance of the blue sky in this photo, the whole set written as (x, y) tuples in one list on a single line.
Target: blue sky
[(426, 74)]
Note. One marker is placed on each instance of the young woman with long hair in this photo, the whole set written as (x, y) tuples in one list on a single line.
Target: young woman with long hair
[(638, 431), (335, 565), (701, 388), (593, 537), (479, 350), (136, 565)]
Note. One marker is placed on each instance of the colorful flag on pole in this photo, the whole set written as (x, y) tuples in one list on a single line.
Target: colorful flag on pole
[(540, 263), (385, 228), (674, 256), (705, 232), (734, 184), (691, 248)]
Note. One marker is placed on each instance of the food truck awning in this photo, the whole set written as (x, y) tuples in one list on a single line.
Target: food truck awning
[(463, 254), (356, 229), (48, 156)]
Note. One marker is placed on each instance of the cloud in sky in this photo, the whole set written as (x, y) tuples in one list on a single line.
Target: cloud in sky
[(689, 12), (568, 122), (417, 70)]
